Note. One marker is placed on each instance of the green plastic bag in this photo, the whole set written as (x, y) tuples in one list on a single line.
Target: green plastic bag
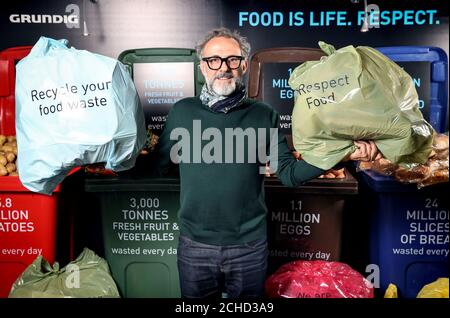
[(87, 276), (357, 94)]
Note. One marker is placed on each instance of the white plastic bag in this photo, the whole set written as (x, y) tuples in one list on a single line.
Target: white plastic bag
[(73, 107)]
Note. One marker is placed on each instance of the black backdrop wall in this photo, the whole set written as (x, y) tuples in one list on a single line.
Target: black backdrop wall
[(117, 25)]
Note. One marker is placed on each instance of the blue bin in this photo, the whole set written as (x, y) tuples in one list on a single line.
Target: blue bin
[(437, 59), (409, 232), (409, 235)]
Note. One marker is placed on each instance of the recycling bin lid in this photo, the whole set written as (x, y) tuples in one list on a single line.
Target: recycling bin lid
[(437, 61), (130, 183), (8, 60), (162, 77), (347, 185), (276, 55), (163, 55), (268, 63)]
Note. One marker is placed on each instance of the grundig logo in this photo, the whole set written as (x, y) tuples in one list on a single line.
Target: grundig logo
[(71, 20)]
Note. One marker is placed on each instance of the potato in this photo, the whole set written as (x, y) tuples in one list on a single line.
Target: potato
[(327, 175), (365, 165), (10, 167), (10, 156), (7, 149), (440, 141), (339, 174), (11, 138), (330, 175), (13, 174), (3, 171)]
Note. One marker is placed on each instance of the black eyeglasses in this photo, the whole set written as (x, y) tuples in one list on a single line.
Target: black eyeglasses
[(215, 62)]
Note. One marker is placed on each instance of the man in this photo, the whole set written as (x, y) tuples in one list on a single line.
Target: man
[(222, 246)]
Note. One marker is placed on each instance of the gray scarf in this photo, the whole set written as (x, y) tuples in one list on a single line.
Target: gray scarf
[(220, 103)]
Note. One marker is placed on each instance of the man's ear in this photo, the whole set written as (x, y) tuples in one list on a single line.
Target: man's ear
[(244, 66)]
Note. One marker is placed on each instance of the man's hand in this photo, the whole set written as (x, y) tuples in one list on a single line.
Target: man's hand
[(365, 151), (297, 155)]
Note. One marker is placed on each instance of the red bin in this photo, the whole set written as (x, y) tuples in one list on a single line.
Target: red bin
[(8, 61), (27, 219), (27, 229)]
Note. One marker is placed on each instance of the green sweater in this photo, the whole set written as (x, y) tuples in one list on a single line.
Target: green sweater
[(223, 203)]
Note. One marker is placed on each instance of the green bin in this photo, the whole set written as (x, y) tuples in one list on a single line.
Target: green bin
[(140, 233), (162, 77), (139, 214)]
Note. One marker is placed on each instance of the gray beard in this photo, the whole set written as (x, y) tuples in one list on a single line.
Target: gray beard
[(224, 90)]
